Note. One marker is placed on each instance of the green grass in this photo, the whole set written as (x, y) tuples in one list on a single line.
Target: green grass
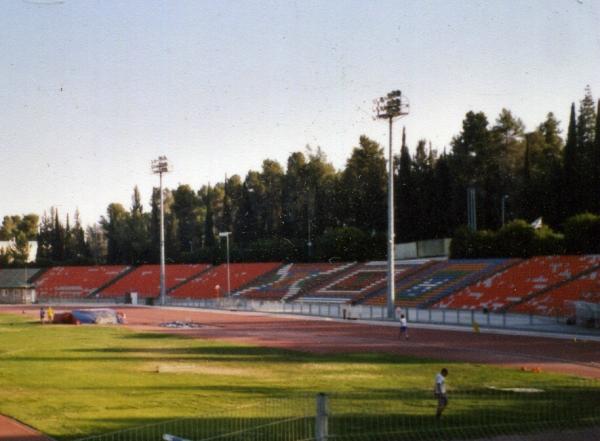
[(76, 381)]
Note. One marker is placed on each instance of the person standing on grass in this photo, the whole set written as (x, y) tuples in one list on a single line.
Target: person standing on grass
[(42, 315), (439, 392), (50, 314), (403, 327)]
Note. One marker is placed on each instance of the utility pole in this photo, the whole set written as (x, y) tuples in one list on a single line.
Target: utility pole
[(389, 107)]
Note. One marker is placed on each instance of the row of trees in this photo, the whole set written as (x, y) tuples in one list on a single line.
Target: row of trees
[(536, 173), (311, 211)]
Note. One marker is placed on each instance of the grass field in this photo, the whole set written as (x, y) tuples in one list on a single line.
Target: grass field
[(77, 381)]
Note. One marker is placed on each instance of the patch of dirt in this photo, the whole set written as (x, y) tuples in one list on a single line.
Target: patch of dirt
[(189, 368)]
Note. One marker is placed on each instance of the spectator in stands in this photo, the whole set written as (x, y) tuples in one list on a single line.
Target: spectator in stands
[(403, 327), (42, 315), (50, 314), (439, 392)]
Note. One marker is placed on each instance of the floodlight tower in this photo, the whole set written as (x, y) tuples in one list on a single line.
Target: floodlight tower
[(160, 166), (390, 107)]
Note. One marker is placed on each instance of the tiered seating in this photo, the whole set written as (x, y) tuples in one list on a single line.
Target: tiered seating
[(12, 277), (514, 284), (145, 280), (75, 281), (438, 281), (213, 283), (360, 282), (292, 280), (559, 301)]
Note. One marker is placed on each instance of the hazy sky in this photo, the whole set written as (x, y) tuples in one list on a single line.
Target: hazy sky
[(92, 91)]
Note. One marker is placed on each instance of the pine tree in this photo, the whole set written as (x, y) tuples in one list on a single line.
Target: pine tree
[(596, 163), (526, 186), (44, 241), (209, 226), (80, 248), (58, 239), (586, 122), (138, 231)]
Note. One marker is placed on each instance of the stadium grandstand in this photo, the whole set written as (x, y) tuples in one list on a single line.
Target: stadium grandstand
[(560, 300), (361, 281), (213, 282), (292, 280), (70, 282), (434, 282), (145, 280), (516, 283)]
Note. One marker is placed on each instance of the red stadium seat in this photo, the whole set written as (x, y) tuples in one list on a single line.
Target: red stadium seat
[(518, 282), (145, 280), (560, 300), (72, 282), (213, 283)]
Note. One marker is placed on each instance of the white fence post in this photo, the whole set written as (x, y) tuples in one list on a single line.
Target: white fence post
[(321, 422)]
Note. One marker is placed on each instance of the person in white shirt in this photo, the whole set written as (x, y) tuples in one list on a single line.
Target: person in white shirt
[(439, 392), (403, 327)]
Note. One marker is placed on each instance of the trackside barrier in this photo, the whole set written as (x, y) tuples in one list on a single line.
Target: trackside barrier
[(482, 412), (452, 317)]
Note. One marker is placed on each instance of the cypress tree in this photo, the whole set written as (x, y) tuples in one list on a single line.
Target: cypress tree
[(585, 151), (570, 201), (404, 210)]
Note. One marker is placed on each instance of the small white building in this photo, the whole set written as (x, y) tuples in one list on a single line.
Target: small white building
[(16, 285)]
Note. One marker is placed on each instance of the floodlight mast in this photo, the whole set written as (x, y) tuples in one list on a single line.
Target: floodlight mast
[(390, 107), (160, 166)]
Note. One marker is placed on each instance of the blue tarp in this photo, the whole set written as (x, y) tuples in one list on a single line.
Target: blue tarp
[(96, 316)]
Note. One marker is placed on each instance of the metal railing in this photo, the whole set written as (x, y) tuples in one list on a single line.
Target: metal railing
[(433, 316)]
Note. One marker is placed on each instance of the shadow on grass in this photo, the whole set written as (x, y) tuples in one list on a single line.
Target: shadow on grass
[(286, 422), (247, 353)]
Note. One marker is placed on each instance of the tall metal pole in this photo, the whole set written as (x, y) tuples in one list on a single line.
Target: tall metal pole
[(160, 166), (163, 291), (391, 300), (393, 105)]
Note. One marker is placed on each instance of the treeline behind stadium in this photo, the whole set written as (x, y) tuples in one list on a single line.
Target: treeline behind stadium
[(308, 210)]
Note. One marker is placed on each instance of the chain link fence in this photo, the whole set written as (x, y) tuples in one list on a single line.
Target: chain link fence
[(477, 414)]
